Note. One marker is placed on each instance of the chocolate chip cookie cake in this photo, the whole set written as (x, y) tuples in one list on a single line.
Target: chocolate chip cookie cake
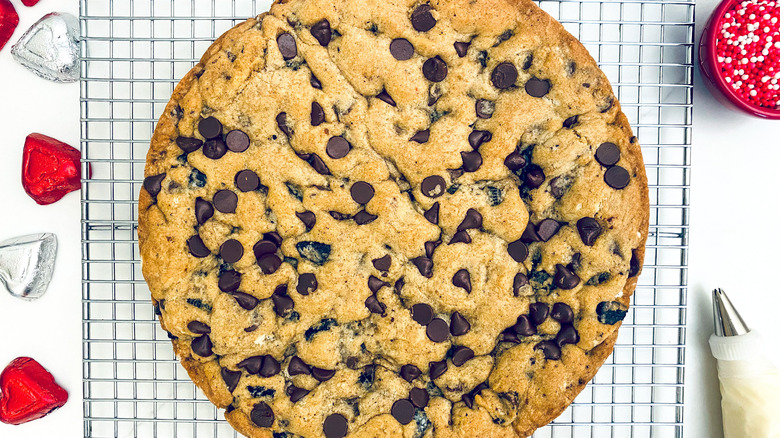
[(393, 219)]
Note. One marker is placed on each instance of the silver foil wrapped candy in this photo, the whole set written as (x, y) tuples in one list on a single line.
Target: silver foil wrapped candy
[(50, 48), (27, 264)]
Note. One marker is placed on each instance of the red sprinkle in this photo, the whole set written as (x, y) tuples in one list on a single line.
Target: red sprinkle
[(9, 19), (50, 169), (749, 51)]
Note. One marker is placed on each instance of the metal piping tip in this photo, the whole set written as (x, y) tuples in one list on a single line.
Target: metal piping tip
[(728, 322)]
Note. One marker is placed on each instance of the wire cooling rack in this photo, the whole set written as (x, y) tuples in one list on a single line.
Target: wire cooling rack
[(133, 54)]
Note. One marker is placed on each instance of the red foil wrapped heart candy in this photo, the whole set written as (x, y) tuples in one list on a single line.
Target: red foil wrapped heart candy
[(28, 392), (9, 19), (50, 169)]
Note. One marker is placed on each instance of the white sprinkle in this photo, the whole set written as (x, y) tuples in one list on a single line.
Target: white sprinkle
[(744, 61), (766, 29), (769, 39), (753, 59), (765, 79), (728, 59), (752, 16), (767, 16), (745, 77), (753, 92), (728, 79), (760, 58), (765, 52), (773, 20), (777, 45), (743, 52)]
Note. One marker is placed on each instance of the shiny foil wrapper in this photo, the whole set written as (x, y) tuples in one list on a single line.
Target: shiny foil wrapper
[(50, 48), (27, 264)]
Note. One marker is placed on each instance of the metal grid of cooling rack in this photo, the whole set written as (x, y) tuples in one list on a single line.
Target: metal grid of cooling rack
[(133, 54)]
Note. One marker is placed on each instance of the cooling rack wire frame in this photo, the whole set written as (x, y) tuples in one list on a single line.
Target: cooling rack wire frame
[(133, 54)]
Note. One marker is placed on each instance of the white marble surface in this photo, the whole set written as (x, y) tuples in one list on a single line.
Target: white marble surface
[(733, 238)]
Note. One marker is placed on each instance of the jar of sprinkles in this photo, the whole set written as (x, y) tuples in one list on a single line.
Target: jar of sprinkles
[(740, 55)]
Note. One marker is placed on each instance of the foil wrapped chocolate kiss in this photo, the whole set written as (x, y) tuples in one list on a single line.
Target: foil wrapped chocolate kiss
[(50, 48), (27, 264)]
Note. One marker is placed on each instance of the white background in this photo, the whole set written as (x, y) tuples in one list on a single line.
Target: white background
[(734, 239)]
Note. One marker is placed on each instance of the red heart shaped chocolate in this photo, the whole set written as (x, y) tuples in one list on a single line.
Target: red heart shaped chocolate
[(50, 169), (28, 392), (8, 21)]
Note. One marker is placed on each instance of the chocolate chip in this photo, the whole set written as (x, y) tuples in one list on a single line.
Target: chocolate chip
[(287, 46), (433, 186), (410, 372), (269, 263), (421, 136), (484, 109), (461, 48), (419, 397), (509, 335), (189, 144), (338, 147), (308, 218), (307, 283), (339, 216), (297, 366), (504, 75), (315, 82), (153, 184), (432, 214), (608, 154), (523, 326), (570, 122), (202, 346), (199, 328), (322, 374), (374, 305), (214, 148), (422, 313), (459, 325), (231, 251), (560, 185), (203, 210), (550, 349), (315, 252), (611, 312), (362, 192), (237, 141), (519, 281), (197, 247), (281, 122), (635, 266), (473, 219), (401, 49), (538, 312), (468, 400), (518, 251), (335, 426), (247, 181), (589, 230), (461, 355), (437, 369), (262, 415), (317, 114), (210, 127), (321, 32), (424, 265), (382, 263), (462, 279), (282, 302), (437, 330), (617, 177), (534, 176), (264, 247), (472, 161), (374, 284), (460, 237), (246, 301), (363, 217), (273, 237), (230, 378), (477, 137), (385, 97), (537, 87), (565, 278), (567, 335), (422, 19), (296, 393), (515, 161), (434, 69), (529, 234), (430, 247), (270, 367), (403, 411), (229, 281), (225, 201), (251, 364), (318, 165), (547, 228), (562, 313)]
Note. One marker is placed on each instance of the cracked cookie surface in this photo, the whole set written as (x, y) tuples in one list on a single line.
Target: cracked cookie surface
[(394, 219)]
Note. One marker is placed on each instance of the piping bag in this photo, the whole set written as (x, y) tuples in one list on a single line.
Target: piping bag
[(749, 382)]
